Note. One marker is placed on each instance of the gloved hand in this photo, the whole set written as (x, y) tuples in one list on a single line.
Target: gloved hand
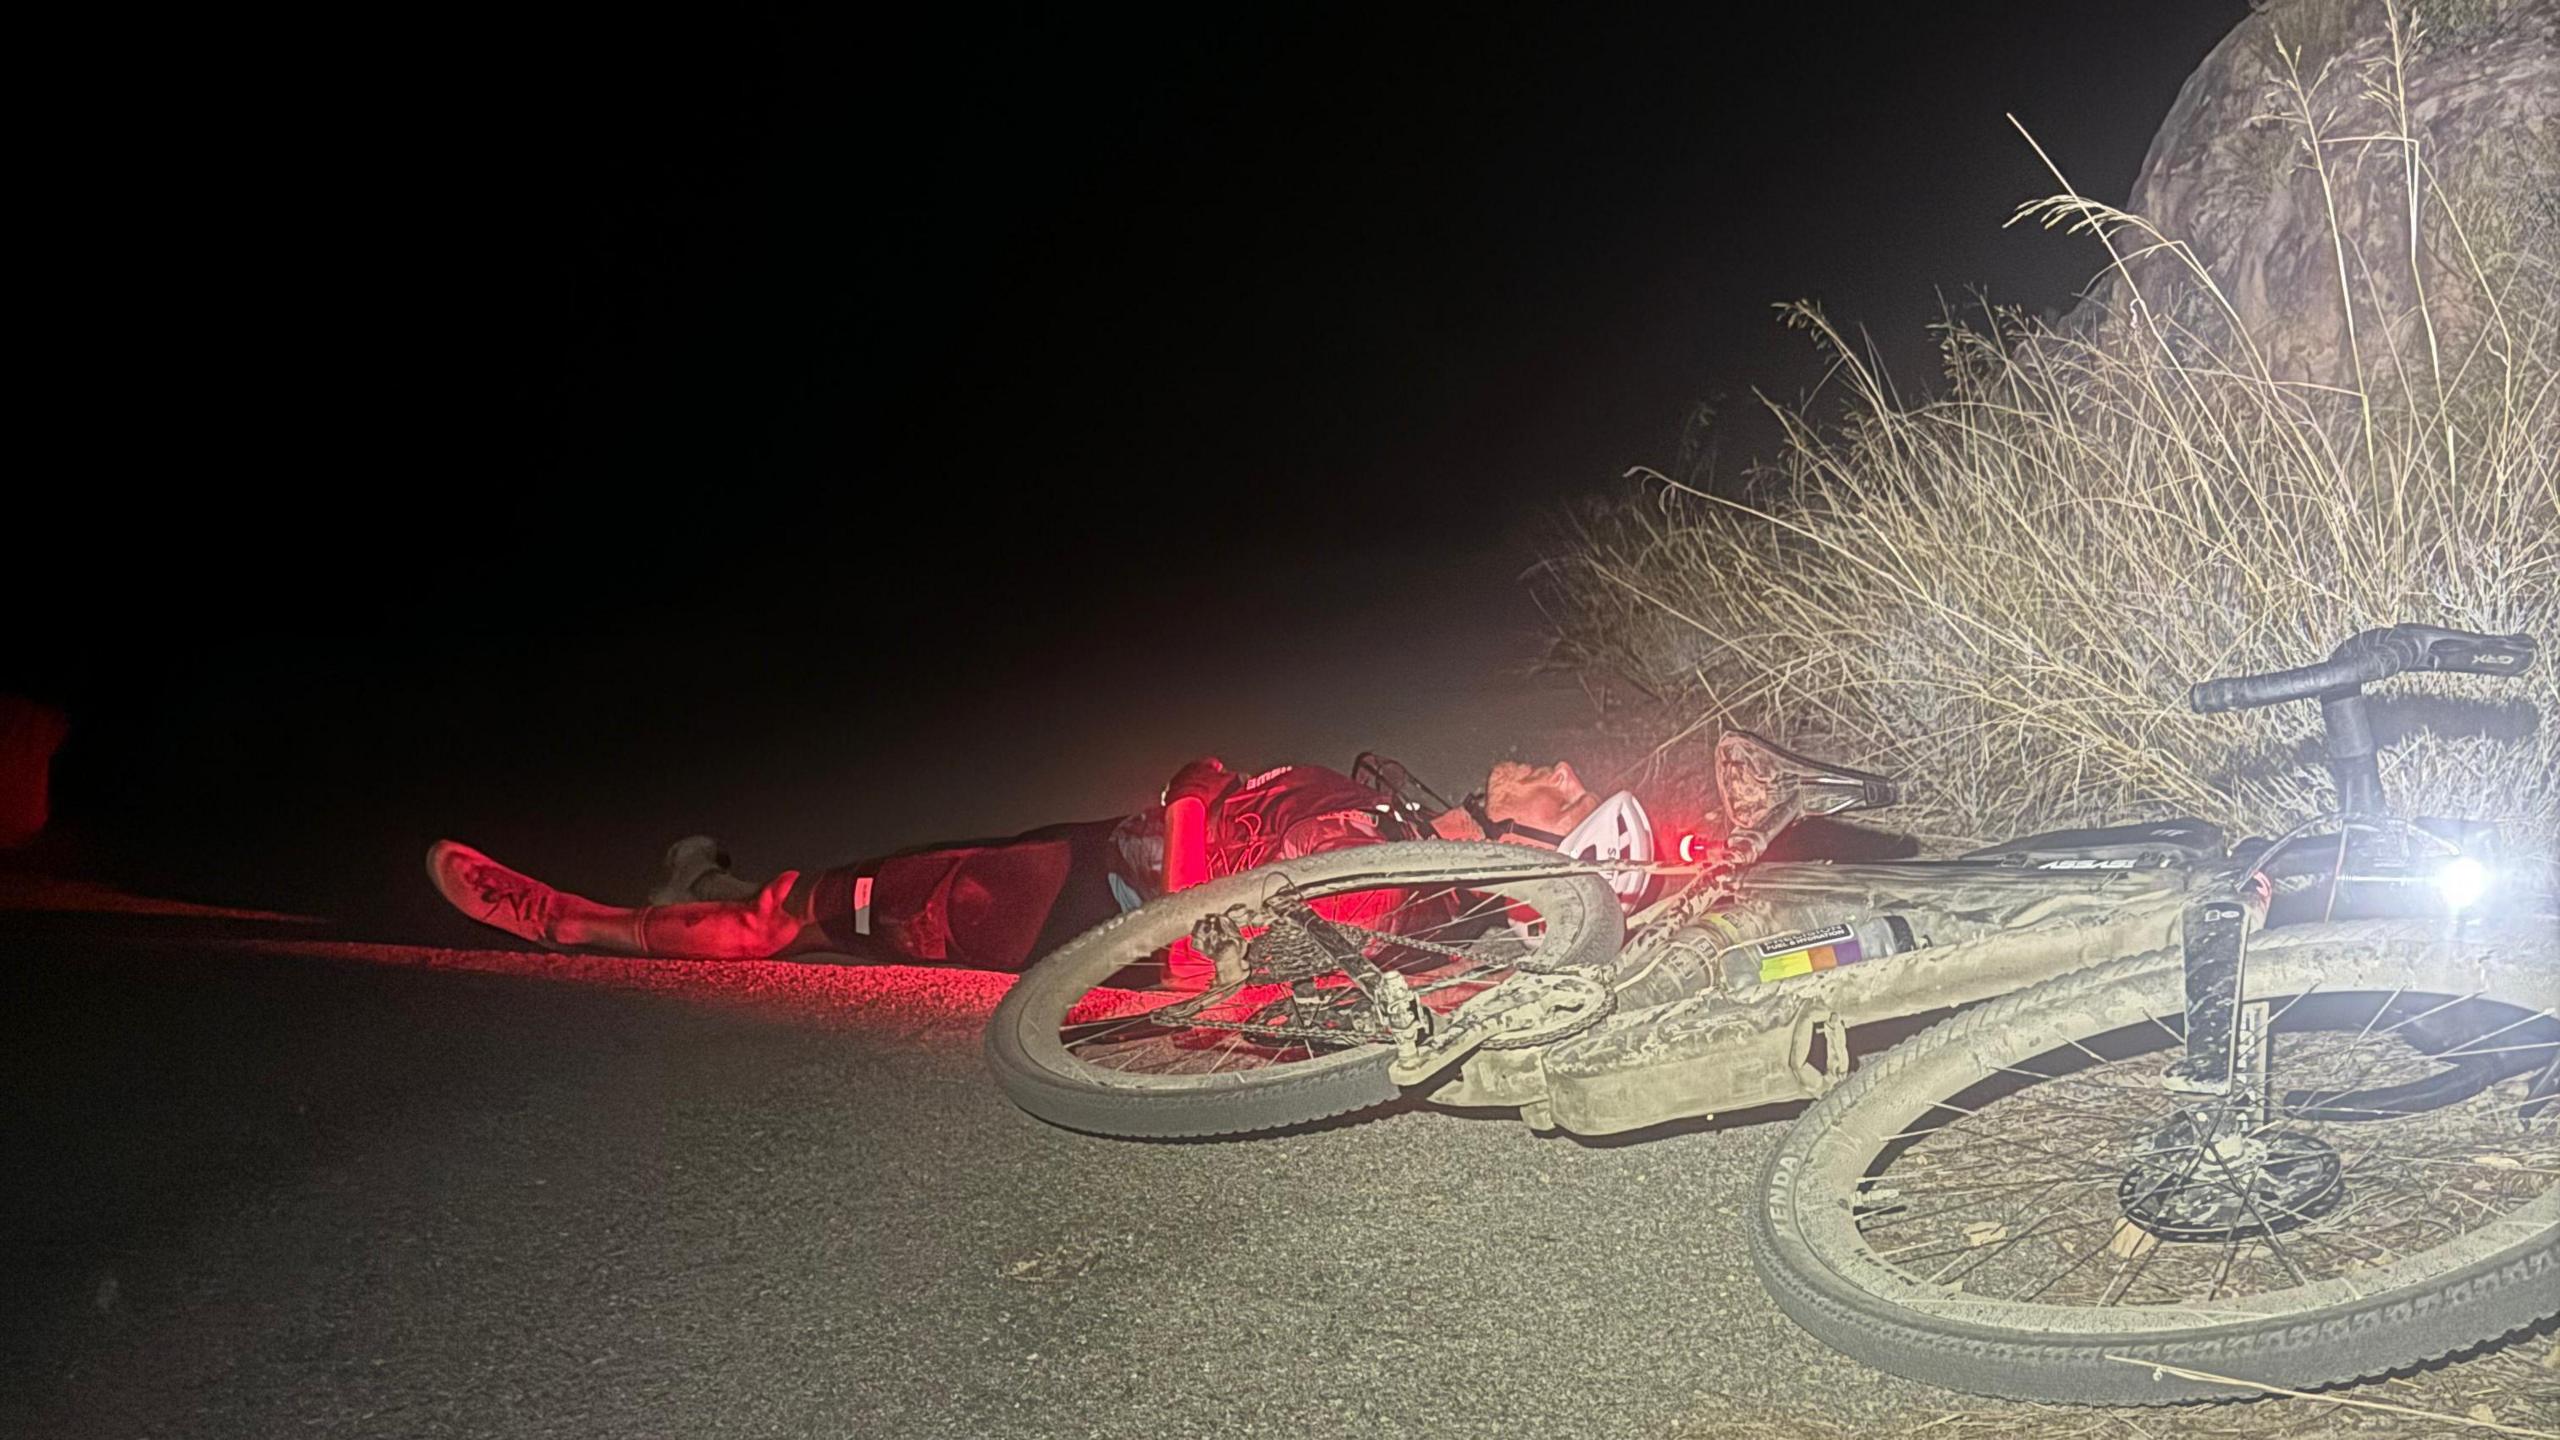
[(1204, 779)]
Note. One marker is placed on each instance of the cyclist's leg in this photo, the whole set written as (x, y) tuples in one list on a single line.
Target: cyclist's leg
[(996, 905), (764, 925), (990, 905)]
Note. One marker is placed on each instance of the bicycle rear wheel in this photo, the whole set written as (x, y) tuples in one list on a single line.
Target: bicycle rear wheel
[(1106, 1035)]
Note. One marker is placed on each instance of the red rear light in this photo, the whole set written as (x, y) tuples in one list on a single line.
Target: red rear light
[(1697, 847)]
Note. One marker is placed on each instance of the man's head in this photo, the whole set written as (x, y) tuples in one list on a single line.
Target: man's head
[(1548, 799)]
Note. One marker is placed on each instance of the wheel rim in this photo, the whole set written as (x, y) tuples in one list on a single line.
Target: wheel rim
[(2034, 1178), (1150, 1025)]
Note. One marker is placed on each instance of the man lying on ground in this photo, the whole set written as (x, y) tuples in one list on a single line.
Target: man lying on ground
[(997, 905)]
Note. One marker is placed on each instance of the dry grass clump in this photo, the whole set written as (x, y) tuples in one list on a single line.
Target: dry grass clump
[(2002, 594)]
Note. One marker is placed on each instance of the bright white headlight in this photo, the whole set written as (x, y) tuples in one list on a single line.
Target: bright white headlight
[(2462, 882)]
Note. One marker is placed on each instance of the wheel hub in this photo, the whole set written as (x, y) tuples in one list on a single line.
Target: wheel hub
[(2190, 1184)]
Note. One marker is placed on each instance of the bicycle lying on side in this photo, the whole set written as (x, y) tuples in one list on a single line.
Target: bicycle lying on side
[(2286, 1111)]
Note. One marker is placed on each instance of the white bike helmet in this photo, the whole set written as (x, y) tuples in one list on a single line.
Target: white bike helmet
[(1618, 829)]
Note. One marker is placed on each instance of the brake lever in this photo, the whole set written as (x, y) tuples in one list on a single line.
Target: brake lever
[(2433, 647)]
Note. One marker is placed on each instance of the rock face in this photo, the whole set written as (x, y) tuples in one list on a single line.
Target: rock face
[(2475, 84)]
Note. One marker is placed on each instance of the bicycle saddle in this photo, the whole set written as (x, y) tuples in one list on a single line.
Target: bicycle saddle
[(1765, 789)]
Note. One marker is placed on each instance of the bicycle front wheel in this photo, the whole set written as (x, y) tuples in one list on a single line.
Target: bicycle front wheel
[(2013, 1203)]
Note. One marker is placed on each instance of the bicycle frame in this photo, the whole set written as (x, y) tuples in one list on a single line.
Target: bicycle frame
[(1696, 1033)]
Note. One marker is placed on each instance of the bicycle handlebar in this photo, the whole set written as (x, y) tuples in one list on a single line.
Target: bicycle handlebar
[(2248, 692), (2373, 655)]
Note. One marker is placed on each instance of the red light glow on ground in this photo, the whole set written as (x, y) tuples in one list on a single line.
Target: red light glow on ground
[(909, 998), (45, 894)]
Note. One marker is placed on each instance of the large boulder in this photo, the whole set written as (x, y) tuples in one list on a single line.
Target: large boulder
[(2474, 83)]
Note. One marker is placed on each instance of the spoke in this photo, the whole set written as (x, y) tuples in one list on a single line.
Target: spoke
[(2230, 1254), (2005, 1243), (2141, 1259), (2145, 1122), (1190, 1005), (2002, 1247), (1125, 1060), (2482, 1111), (1095, 1040), (2013, 1143), (2374, 1058), (1480, 909), (2266, 1231), (2465, 1047), (2083, 1258), (1232, 1042), (2467, 1053), (1944, 1191), (2111, 1294), (2092, 1054), (1889, 1219), (1412, 902), (2290, 1003), (2175, 1037)]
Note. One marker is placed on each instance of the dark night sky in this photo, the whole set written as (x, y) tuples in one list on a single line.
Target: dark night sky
[(778, 368)]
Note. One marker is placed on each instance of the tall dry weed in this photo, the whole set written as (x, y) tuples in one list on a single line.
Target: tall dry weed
[(2002, 594)]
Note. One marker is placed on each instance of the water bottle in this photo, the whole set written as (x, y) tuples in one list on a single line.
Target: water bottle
[(1812, 950)]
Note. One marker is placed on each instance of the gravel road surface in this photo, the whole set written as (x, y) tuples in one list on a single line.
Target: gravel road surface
[(317, 1188)]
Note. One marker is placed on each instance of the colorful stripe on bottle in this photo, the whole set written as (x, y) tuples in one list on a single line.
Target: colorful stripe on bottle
[(1788, 956)]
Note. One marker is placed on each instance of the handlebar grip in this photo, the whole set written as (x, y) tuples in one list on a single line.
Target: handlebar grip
[(2247, 692), (2211, 697)]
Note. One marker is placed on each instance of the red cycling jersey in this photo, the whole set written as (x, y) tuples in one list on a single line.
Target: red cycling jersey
[(1001, 904)]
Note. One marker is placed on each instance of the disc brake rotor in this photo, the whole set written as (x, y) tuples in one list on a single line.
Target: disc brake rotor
[(2187, 1186)]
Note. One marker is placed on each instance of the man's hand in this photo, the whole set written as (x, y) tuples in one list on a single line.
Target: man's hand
[(1456, 825)]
